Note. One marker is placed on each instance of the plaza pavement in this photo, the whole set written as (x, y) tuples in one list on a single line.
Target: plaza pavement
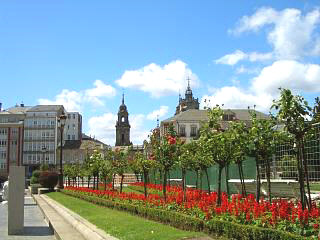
[(35, 228)]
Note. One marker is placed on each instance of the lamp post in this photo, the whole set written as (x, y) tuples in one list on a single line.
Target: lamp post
[(43, 150), (62, 122)]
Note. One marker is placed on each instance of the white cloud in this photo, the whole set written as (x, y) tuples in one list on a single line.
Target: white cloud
[(288, 74), (243, 69), (291, 34), (103, 128), (234, 97), (158, 113), (264, 88), (159, 80), (232, 59), (101, 90), (235, 57), (71, 100)]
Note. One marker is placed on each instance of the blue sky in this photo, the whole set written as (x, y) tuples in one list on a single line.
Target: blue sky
[(83, 54)]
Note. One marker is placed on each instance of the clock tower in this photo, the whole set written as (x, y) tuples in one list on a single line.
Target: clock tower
[(123, 126)]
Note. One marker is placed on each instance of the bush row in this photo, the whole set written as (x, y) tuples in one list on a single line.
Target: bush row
[(185, 222)]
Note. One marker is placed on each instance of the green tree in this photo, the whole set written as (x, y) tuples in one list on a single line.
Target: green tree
[(120, 165), (95, 162), (263, 139), (213, 145), (165, 155), (187, 153), (240, 139), (294, 112)]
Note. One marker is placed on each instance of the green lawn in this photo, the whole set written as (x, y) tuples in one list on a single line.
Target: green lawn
[(121, 224)]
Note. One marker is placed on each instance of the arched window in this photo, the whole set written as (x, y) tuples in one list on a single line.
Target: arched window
[(122, 119)]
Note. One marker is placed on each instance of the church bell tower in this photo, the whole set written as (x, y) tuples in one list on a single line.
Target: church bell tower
[(123, 126)]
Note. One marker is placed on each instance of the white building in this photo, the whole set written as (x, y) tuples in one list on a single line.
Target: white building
[(73, 127)]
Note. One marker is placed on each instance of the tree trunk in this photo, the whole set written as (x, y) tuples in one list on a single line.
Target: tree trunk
[(89, 178), (105, 183), (208, 180), (268, 178), (165, 185), (122, 177), (113, 179), (82, 181), (98, 181), (227, 178), (301, 176), (94, 182), (145, 175), (169, 184), (258, 182), (304, 160), (184, 189), (244, 184), (197, 181), (219, 185), (201, 174), (241, 179)]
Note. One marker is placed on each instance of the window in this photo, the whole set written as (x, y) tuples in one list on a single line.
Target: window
[(74, 116), (68, 136), (73, 137), (193, 131), (69, 116), (74, 126), (182, 131), (68, 126), (122, 119)]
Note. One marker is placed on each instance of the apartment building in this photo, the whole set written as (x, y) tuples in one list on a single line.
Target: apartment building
[(41, 135), (11, 137)]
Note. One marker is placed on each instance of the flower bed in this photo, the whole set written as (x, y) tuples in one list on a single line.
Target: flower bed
[(252, 220)]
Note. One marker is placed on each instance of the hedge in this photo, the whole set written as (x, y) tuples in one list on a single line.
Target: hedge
[(186, 222)]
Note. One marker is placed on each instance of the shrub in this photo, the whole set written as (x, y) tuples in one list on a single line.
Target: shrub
[(48, 179), (35, 177)]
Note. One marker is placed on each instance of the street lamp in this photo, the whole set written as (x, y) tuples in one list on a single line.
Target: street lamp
[(62, 122), (43, 150)]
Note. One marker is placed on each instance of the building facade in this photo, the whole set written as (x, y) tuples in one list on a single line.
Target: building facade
[(41, 135), (123, 126), (73, 127), (11, 138)]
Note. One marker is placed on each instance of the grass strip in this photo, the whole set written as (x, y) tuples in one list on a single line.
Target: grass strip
[(121, 224)]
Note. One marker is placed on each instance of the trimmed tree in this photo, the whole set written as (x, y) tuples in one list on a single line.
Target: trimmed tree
[(295, 113)]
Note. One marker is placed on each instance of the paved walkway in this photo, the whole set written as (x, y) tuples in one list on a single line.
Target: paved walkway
[(35, 226)]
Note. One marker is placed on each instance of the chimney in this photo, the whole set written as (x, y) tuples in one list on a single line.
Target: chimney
[(0, 106)]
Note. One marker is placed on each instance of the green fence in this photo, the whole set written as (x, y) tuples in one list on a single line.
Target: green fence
[(248, 169)]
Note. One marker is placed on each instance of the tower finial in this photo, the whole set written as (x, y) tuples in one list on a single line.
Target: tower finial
[(157, 121), (122, 97), (188, 79)]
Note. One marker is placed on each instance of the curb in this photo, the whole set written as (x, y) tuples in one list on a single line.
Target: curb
[(85, 228)]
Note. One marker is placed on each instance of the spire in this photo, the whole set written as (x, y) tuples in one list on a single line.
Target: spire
[(188, 79), (122, 98), (157, 121)]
